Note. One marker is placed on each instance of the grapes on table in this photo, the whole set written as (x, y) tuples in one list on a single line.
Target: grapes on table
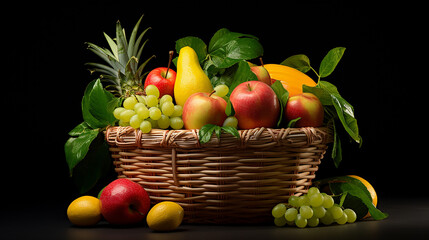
[(149, 112), (311, 209)]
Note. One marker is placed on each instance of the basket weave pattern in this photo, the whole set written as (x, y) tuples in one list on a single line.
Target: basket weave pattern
[(226, 180)]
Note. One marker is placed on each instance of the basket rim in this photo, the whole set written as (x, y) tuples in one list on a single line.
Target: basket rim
[(128, 137)]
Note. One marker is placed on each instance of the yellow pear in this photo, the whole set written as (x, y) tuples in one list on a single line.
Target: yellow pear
[(190, 76)]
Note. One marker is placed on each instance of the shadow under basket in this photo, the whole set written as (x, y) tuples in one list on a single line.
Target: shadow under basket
[(227, 180)]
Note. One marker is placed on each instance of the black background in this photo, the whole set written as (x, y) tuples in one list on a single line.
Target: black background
[(45, 76)]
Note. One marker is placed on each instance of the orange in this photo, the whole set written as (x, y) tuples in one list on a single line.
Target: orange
[(291, 79), (370, 190)]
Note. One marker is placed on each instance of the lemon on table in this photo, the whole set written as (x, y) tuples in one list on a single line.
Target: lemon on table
[(84, 211), (165, 216)]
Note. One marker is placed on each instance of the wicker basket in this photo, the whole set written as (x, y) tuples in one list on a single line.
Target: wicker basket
[(226, 180)]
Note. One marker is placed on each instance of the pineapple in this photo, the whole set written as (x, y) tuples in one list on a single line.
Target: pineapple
[(123, 75)]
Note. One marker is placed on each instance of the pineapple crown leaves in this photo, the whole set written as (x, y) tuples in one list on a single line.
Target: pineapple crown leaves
[(123, 73)]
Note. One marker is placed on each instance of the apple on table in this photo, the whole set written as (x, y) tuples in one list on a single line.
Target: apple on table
[(124, 202)]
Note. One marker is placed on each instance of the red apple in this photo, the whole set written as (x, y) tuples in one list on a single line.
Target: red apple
[(162, 80), (124, 202), (262, 74), (308, 107), (203, 108), (255, 105)]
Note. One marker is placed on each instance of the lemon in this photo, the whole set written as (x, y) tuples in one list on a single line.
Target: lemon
[(165, 216), (84, 211), (371, 191)]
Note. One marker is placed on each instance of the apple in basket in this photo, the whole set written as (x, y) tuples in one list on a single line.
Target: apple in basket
[(306, 106), (124, 202), (203, 108), (255, 105)]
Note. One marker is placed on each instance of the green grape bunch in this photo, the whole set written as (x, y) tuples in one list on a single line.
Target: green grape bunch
[(146, 112), (311, 209)]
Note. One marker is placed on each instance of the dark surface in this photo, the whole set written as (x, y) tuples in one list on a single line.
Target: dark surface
[(409, 219)]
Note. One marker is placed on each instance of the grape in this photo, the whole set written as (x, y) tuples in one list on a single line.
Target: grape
[(176, 123), (135, 121), (306, 211), (151, 101), (293, 200), (280, 221), (143, 112), (141, 99), (145, 126), (167, 108), (178, 110), (342, 220), (231, 122), (319, 212), (139, 105), (303, 200), (126, 115), (328, 202), (129, 102), (152, 90), (312, 191), (123, 124), (278, 210), (221, 90), (164, 122), (327, 219), (155, 113), (313, 222), (117, 112), (291, 214), (300, 221), (154, 123), (336, 211), (316, 200), (351, 215), (165, 98)]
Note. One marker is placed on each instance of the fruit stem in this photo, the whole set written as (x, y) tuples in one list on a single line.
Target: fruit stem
[(249, 87), (170, 53), (212, 93), (262, 63)]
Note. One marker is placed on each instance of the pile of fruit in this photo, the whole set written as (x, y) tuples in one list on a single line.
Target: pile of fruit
[(310, 209), (124, 202), (216, 88)]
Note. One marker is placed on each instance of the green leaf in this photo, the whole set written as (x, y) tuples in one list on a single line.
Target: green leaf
[(300, 62), (79, 129), (206, 132), (95, 165), (329, 96), (231, 130), (337, 154), (229, 110), (99, 106), (87, 116), (283, 96), (354, 187), (292, 122), (227, 48), (195, 43), (121, 44), (76, 148), (330, 61), (237, 75)]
